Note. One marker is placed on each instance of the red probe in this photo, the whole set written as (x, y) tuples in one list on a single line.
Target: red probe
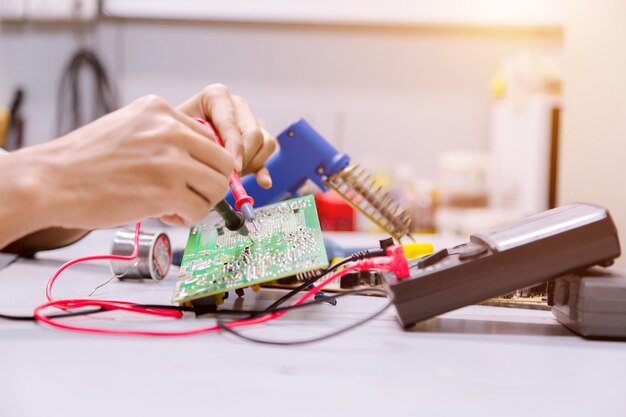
[(243, 202)]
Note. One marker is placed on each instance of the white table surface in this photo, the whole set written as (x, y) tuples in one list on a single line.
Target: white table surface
[(474, 361)]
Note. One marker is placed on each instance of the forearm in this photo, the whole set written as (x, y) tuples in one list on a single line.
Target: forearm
[(52, 238), (144, 160), (22, 210)]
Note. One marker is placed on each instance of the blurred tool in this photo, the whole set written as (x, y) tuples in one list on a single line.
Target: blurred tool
[(414, 250), (155, 255), (16, 105), (417, 195), (593, 303), (5, 122), (524, 133), (525, 139), (334, 212), (463, 184), (305, 155), (70, 106), (243, 202), (463, 179), (12, 123), (233, 220)]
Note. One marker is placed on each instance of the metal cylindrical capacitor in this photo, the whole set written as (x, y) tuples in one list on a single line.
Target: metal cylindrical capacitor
[(153, 261)]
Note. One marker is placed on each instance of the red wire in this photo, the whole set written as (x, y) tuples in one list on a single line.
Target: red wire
[(131, 257), (389, 262), (130, 307), (67, 304), (311, 292)]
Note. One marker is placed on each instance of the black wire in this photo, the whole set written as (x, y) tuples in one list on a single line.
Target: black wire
[(53, 316), (308, 282), (273, 308), (370, 253), (69, 104), (255, 313), (224, 327), (251, 313)]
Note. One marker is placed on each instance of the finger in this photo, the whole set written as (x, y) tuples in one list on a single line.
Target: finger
[(173, 220), (205, 151), (220, 111), (193, 124), (206, 182), (251, 134), (269, 147), (193, 207), (263, 178), (159, 106)]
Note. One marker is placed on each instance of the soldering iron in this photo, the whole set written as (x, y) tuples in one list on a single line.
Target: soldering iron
[(305, 155)]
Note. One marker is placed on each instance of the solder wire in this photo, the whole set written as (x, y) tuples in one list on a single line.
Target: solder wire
[(100, 304), (68, 264)]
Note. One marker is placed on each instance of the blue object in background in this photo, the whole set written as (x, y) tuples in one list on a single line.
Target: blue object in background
[(304, 154)]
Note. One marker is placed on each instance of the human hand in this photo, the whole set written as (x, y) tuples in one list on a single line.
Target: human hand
[(147, 159), (244, 138)]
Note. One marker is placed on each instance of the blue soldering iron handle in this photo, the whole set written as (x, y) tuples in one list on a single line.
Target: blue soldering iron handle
[(304, 154)]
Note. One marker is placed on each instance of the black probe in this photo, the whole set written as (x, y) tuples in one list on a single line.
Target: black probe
[(233, 220)]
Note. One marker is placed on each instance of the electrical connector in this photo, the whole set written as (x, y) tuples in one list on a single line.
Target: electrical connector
[(395, 261)]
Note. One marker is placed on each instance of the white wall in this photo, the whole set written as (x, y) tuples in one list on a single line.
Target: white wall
[(392, 95), (594, 119)]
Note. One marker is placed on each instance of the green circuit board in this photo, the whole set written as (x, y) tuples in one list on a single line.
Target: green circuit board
[(288, 241)]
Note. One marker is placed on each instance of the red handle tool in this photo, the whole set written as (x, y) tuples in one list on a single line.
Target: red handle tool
[(243, 202)]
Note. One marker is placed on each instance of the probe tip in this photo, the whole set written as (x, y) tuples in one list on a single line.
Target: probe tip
[(248, 212)]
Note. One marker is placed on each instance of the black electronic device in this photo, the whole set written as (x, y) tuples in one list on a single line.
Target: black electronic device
[(498, 261), (592, 304)]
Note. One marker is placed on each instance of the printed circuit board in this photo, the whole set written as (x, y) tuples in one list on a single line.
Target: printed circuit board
[(288, 241)]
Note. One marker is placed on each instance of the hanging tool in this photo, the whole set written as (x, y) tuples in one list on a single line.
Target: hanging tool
[(305, 155), (12, 134)]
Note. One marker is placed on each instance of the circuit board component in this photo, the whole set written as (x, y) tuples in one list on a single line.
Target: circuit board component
[(288, 241)]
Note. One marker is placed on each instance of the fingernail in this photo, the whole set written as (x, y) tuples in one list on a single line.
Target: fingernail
[(239, 163), (267, 181)]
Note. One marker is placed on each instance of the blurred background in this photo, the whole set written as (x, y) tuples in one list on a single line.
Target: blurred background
[(472, 113)]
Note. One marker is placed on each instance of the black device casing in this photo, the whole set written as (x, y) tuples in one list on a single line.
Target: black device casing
[(455, 280), (592, 304)]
